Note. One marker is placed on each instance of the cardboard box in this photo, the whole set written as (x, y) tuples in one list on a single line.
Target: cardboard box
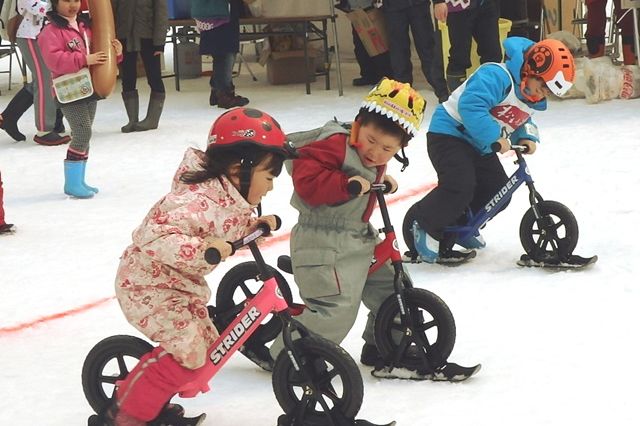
[(559, 15), (371, 29), (289, 67)]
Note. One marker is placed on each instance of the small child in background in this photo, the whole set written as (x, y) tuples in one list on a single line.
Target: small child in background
[(493, 107), (160, 283), (5, 228), (65, 46)]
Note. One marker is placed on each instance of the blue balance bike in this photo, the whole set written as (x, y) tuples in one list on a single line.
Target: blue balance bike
[(548, 230)]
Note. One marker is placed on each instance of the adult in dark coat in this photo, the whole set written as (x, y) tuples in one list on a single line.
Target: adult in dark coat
[(220, 38), (141, 27)]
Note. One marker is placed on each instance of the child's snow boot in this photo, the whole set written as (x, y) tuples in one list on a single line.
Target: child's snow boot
[(7, 228), (50, 139), (426, 246), (74, 180), (228, 99), (474, 241), (154, 111), (132, 106), (21, 102)]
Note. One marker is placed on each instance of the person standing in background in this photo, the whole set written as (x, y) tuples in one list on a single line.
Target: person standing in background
[(596, 24), (141, 27), (468, 20), (218, 22), (402, 15)]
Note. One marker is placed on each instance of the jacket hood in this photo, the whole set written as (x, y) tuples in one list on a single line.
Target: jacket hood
[(514, 50), (193, 160)]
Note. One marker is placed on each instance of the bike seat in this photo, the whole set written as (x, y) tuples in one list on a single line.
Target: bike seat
[(284, 264)]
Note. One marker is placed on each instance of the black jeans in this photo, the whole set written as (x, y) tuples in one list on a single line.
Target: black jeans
[(418, 19), (465, 179), (481, 24), (371, 68), (151, 62)]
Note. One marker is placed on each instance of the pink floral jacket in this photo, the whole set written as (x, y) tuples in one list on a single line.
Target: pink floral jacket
[(160, 282)]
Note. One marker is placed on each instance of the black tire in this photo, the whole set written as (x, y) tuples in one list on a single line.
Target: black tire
[(431, 317), (240, 284), (334, 374), (559, 242), (109, 361)]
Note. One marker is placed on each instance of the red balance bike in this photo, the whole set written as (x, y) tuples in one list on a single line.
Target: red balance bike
[(314, 380)]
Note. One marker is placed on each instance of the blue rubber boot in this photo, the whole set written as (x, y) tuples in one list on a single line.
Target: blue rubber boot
[(73, 183), (426, 246), (90, 188), (474, 241)]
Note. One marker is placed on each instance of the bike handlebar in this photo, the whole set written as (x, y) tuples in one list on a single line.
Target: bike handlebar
[(495, 147), (212, 255), (354, 187)]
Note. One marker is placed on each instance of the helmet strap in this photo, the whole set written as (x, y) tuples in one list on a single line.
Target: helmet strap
[(402, 159), (246, 165)]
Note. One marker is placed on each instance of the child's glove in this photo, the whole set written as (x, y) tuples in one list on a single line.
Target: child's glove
[(505, 145), (365, 185), (531, 145), (224, 247), (392, 182)]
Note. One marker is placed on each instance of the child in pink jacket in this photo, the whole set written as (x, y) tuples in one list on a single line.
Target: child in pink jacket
[(66, 45), (160, 283)]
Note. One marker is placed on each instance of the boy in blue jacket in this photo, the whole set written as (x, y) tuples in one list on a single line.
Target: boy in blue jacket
[(494, 105)]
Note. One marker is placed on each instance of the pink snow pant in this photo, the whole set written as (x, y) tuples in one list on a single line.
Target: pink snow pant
[(152, 383)]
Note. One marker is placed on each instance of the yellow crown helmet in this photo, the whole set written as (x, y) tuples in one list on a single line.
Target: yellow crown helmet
[(397, 101)]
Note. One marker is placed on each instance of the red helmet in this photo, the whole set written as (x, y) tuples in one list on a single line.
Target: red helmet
[(551, 61), (247, 128)]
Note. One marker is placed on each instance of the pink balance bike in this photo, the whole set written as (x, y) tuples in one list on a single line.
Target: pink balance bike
[(314, 380), (414, 330)]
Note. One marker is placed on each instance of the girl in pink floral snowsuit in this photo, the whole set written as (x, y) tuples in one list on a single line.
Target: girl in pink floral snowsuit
[(160, 282)]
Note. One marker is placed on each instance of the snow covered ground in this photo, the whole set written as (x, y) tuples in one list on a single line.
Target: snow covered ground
[(557, 348)]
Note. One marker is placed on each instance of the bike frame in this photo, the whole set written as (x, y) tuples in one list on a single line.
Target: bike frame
[(477, 220), (268, 300)]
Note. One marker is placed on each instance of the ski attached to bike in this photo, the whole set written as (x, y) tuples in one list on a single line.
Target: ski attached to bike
[(450, 372), (570, 262)]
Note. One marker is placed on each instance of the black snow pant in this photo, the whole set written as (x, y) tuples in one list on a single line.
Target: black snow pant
[(466, 179), (481, 24), (418, 19), (372, 68), (152, 67)]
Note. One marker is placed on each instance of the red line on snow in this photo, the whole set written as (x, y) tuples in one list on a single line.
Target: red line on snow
[(4, 331)]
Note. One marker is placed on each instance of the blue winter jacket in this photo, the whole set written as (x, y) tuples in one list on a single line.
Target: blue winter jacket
[(485, 89)]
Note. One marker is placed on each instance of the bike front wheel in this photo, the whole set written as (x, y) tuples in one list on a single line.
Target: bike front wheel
[(240, 285), (432, 325), (335, 381), (553, 236), (109, 361)]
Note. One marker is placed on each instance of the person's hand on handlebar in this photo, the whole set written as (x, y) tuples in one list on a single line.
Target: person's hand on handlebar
[(365, 185), (505, 145), (270, 220), (224, 247), (392, 183), (529, 144)]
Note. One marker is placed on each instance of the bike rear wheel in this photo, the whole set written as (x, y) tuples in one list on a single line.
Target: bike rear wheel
[(109, 361), (238, 286), (433, 325), (552, 237), (335, 380)]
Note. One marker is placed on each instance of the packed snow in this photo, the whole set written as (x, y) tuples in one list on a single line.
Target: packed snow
[(557, 348)]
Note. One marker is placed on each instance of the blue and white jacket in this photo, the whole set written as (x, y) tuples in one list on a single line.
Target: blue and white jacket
[(489, 104)]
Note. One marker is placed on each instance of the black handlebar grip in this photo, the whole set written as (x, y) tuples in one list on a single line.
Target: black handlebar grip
[(495, 147), (387, 187), (354, 187), (212, 256), (278, 222)]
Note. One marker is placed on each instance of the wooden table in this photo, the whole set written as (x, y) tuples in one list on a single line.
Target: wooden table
[(309, 28)]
